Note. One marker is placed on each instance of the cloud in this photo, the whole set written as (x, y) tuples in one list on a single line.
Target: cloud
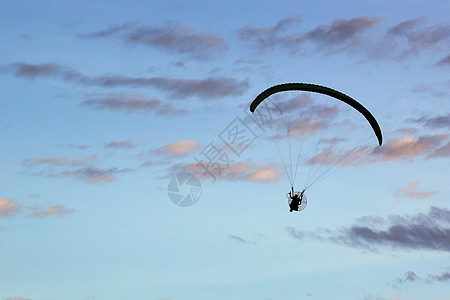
[(335, 158), (9, 207), (17, 298), (411, 277), (407, 131), (309, 126), (179, 148), (408, 147), (120, 144), (81, 169), (60, 161), (247, 171), (209, 88), (206, 89), (443, 62), (55, 210), (107, 32), (132, 104), (238, 239), (441, 152), (80, 147), (224, 169), (286, 34), (125, 103), (417, 37), (91, 175), (263, 38), (35, 70), (411, 191), (435, 122), (171, 37), (341, 32), (431, 89), (179, 39), (443, 277), (264, 175), (360, 35), (423, 231)]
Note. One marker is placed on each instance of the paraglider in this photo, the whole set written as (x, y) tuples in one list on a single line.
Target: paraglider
[(296, 201), (317, 122)]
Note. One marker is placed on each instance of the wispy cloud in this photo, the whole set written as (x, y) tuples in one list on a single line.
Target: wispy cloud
[(335, 157), (64, 167), (411, 191), (234, 171), (443, 277), (361, 34), (411, 277), (286, 34), (55, 210), (206, 89), (423, 231), (171, 37), (444, 62), (180, 39), (180, 148), (441, 152), (9, 207), (418, 37), (341, 33), (132, 103), (436, 90), (122, 102), (120, 144), (409, 147), (209, 88), (435, 122), (107, 32), (91, 175), (263, 38), (60, 161), (240, 240)]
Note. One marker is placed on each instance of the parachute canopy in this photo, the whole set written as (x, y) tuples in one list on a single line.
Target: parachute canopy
[(307, 87)]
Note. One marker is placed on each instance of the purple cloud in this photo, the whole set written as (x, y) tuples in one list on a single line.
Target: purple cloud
[(423, 231), (206, 89), (180, 39)]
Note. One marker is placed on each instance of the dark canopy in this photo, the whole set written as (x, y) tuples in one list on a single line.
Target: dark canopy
[(321, 90)]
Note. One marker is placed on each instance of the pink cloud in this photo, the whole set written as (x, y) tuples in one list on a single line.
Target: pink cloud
[(408, 146), (240, 171), (60, 161), (265, 175), (179, 148), (330, 157), (309, 126), (8, 207), (101, 179), (55, 210), (411, 191)]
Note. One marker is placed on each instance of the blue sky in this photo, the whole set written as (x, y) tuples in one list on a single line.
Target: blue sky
[(103, 104)]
